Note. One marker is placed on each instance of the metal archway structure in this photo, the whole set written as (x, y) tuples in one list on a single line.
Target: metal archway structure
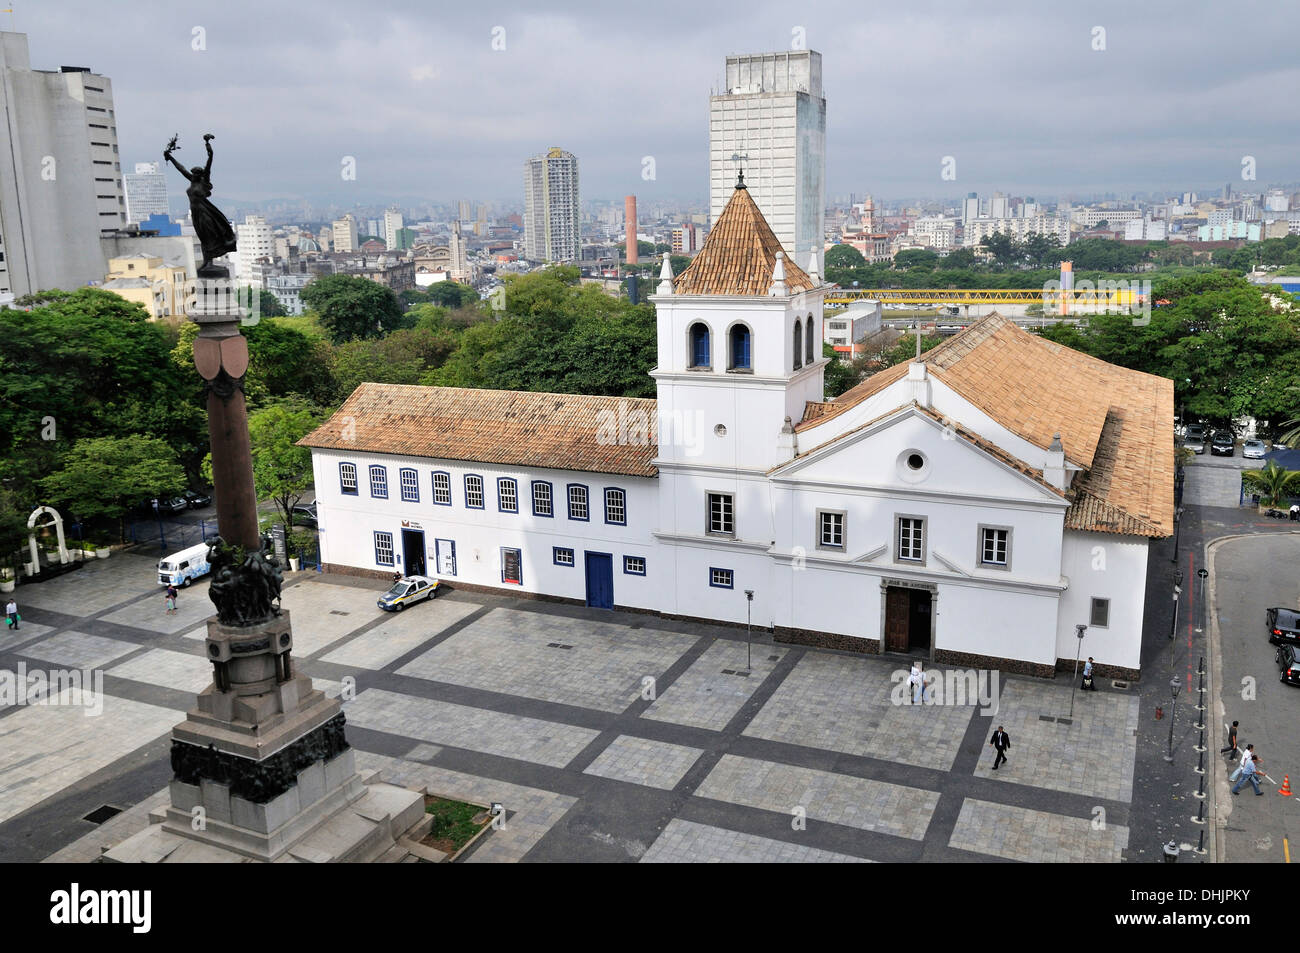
[(58, 531)]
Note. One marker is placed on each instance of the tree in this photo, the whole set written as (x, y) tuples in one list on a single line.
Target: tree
[(645, 249), (905, 348), (353, 307), (844, 256), (1273, 484), (839, 375), (1001, 246), (281, 469), (451, 294), (106, 476), (916, 258), (959, 258)]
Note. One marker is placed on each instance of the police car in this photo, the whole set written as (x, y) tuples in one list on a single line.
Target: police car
[(407, 591)]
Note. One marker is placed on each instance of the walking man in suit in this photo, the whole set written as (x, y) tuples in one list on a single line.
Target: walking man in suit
[(1001, 742)]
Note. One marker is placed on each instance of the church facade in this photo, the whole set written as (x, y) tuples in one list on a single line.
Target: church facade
[(973, 506)]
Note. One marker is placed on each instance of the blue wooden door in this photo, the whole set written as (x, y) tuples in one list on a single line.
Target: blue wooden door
[(600, 580)]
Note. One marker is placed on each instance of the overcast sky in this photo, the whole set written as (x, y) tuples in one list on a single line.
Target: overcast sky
[(1014, 92)]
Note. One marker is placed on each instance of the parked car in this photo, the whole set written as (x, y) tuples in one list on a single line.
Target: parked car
[(197, 500), (182, 568), (1283, 626), (1288, 664), (175, 504), (407, 591), (1223, 444), (1195, 438), (1253, 450), (304, 514)]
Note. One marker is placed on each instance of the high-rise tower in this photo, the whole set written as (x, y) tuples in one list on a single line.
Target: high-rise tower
[(551, 207)]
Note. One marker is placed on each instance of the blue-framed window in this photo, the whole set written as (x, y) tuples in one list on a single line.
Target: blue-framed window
[(348, 479), (441, 488), (473, 491), (410, 485), (579, 507), (384, 549), (699, 345), (634, 565), (512, 566), (722, 578), (507, 495), (740, 350), (543, 499), (615, 506), (562, 556), (379, 482)]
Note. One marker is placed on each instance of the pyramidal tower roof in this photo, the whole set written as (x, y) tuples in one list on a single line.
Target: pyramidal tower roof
[(739, 256)]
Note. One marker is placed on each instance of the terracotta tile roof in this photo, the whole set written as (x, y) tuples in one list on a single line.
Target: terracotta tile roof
[(738, 256), (1115, 423), (513, 428)]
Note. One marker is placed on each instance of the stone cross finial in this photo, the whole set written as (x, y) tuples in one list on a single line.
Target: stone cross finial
[(665, 278), (778, 277)]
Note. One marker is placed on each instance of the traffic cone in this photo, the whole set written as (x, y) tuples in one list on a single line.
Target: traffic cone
[(1285, 789)]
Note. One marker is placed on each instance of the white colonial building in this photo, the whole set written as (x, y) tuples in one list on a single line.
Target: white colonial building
[(973, 506)]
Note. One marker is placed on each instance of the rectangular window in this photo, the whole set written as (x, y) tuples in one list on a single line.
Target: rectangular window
[(512, 570), (578, 509), (721, 578), (348, 478), (995, 546), (1100, 613), (410, 485), (722, 520), (543, 504), (911, 539), (830, 529), (474, 492), (616, 507), (379, 482), (441, 488), (562, 556), (507, 495), (634, 565), (384, 549)]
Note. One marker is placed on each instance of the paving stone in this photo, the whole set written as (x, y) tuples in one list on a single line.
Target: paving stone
[(94, 587), (78, 650), (705, 696), (686, 842), (835, 798), (178, 670), (510, 651), (655, 764), (405, 631), (1017, 833), (476, 729)]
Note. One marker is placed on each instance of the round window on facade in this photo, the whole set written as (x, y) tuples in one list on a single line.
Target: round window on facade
[(912, 466), (915, 461), (720, 430)]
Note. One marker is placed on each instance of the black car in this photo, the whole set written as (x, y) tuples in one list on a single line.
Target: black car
[(1288, 664), (197, 500), (304, 514), (1223, 444), (1283, 626)]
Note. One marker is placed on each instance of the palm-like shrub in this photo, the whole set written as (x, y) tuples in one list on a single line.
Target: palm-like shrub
[(1272, 483)]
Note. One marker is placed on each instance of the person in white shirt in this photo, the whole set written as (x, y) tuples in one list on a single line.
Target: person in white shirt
[(1247, 754), (917, 681), (11, 613)]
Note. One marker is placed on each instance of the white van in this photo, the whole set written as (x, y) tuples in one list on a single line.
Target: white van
[(179, 569)]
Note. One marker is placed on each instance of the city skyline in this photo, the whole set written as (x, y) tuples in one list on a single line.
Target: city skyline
[(422, 119)]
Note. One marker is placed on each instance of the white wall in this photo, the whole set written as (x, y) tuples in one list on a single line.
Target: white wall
[(1103, 566)]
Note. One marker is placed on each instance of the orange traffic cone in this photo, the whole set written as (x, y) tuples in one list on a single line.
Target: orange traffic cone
[(1285, 789)]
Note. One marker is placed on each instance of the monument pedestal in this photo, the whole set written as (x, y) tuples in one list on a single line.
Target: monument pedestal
[(263, 771)]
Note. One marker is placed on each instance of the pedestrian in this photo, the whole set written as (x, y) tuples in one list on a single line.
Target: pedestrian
[(171, 599), (12, 618), (917, 681), (1087, 676), (1001, 742), (1295, 511), (1246, 755), (1232, 742), (1250, 772)]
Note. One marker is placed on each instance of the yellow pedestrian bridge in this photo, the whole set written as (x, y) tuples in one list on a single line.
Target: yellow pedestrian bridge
[(1118, 294)]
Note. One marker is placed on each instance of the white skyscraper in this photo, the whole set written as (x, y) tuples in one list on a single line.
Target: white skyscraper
[(146, 192), (346, 234), (771, 112), (60, 176), (551, 207), (392, 228), (255, 241)]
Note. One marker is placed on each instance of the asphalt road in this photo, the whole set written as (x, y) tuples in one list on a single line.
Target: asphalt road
[(1250, 574)]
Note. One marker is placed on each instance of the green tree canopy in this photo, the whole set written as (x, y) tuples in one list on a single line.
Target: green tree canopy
[(844, 256), (352, 307), (282, 470), (106, 476)]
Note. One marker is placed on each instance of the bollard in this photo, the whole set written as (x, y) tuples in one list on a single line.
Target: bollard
[(1200, 814), (1171, 852), (1200, 843)]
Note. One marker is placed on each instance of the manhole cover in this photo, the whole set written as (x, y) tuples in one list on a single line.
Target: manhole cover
[(1119, 685), (100, 814), (338, 612), (558, 645), (774, 658)]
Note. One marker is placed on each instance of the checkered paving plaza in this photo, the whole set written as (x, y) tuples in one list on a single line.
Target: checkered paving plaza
[(606, 736)]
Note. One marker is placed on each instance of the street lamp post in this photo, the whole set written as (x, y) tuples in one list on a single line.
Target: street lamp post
[(1178, 589), (162, 540), (1178, 525), (1174, 686), (1078, 646), (749, 631)]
